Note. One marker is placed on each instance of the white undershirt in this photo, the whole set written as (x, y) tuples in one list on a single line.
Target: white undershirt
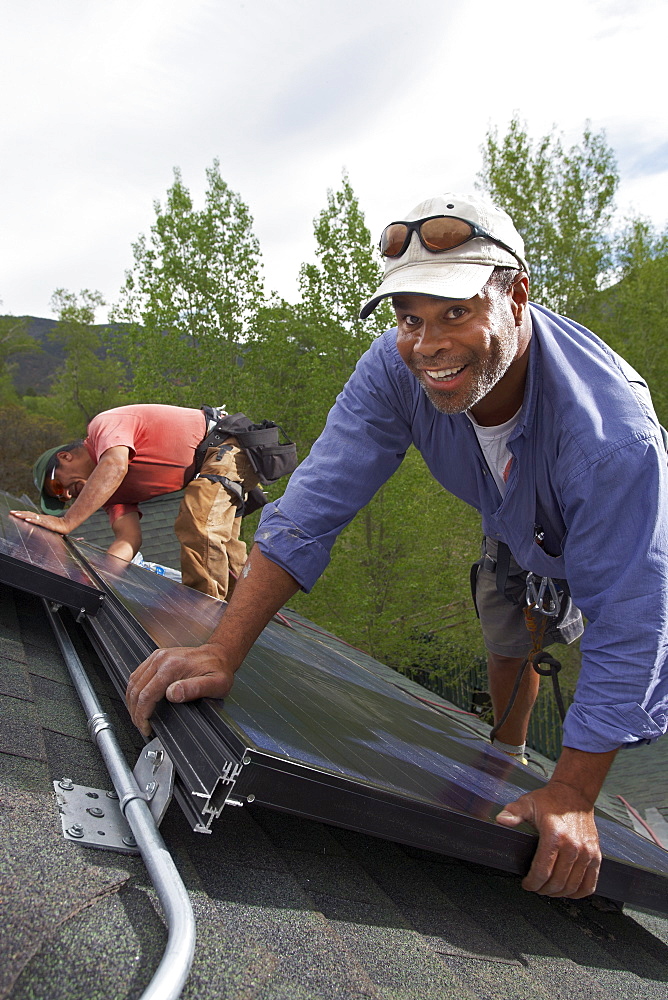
[(494, 444)]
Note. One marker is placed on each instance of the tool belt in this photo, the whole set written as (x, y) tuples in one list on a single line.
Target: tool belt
[(269, 457)]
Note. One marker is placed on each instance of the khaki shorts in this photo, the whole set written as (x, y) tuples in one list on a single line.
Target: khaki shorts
[(502, 617)]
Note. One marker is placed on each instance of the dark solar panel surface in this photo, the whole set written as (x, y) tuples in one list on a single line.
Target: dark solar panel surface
[(42, 561), (35, 546), (172, 615), (300, 700)]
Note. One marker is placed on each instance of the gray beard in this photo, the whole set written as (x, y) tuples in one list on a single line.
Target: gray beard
[(481, 386)]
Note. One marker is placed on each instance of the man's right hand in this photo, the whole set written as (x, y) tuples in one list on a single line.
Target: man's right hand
[(50, 521), (179, 674), (208, 671)]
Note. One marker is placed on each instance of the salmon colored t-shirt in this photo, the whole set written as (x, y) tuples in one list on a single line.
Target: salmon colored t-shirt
[(162, 442)]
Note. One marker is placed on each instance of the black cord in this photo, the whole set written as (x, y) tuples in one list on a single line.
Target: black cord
[(552, 670)]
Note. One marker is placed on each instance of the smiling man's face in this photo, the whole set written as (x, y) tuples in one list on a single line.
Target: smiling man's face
[(468, 353)]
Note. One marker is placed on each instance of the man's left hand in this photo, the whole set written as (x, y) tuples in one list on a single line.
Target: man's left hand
[(42, 520), (568, 856)]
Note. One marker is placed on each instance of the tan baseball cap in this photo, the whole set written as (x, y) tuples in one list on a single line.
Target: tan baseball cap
[(458, 273)]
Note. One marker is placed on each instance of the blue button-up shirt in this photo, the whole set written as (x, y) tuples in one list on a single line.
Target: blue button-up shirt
[(589, 468)]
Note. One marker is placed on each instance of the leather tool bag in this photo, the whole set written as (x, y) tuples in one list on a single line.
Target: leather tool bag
[(270, 457)]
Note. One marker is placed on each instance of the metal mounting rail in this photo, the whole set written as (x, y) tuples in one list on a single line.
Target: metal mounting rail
[(172, 972)]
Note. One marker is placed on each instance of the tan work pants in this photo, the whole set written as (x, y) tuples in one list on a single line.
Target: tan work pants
[(207, 525)]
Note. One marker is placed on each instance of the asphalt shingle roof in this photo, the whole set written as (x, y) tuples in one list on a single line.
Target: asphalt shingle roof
[(286, 908), (159, 543)]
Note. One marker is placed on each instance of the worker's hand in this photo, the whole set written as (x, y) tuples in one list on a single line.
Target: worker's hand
[(568, 856), (49, 521), (180, 674)]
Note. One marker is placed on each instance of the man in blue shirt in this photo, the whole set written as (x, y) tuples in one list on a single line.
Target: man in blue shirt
[(534, 421)]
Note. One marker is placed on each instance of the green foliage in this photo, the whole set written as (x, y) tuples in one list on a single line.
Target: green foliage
[(373, 592), (24, 436), (91, 379), (200, 330), (192, 296), (14, 339), (401, 570), (299, 357), (562, 204), (347, 273), (276, 370), (631, 314)]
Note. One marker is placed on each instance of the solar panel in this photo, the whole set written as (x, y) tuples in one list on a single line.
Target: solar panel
[(308, 728), (42, 562), (316, 733)]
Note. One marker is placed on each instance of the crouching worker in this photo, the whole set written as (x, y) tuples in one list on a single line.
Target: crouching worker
[(536, 423), (134, 453)]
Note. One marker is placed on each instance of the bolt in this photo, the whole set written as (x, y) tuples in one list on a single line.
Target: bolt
[(96, 811), (76, 830), (129, 841), (66, 784), (112, 795), (246, 760), (250, 798)]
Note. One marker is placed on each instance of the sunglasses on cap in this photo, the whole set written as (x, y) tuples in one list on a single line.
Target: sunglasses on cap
[(437, 234), (53, 486)]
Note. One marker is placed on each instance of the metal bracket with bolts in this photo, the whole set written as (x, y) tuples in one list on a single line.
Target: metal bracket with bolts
[(154, 773), (93, 817)]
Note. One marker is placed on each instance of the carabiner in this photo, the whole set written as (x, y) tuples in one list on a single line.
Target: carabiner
[(536, 598)]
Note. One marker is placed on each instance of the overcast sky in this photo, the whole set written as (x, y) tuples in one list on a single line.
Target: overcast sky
[(102, 98)]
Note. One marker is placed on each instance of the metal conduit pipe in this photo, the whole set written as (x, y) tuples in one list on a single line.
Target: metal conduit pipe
[(172, 972)]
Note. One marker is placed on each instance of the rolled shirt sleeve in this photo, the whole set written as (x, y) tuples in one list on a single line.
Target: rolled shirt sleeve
[(616, 556)]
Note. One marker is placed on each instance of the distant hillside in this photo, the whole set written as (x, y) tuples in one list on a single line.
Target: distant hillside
[(33, 371)]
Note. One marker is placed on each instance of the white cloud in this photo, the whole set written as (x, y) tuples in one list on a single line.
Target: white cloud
[(102, 100)]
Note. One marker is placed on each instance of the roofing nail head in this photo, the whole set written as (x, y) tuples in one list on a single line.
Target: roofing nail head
[(129, 841), (96, 811)]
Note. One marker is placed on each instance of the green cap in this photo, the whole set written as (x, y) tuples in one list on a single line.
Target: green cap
[(49, 504)]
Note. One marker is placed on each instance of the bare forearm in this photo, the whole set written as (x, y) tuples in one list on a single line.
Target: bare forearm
[(102, 483), (127, 539), (584, 772), (262, 589)]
